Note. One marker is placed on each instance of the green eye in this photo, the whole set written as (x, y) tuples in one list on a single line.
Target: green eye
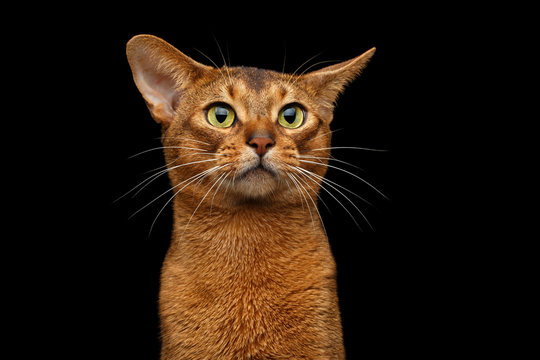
[(221, 116), (291, 117)]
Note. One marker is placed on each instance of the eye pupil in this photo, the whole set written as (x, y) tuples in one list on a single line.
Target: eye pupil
[(221, 114), (289, 115)]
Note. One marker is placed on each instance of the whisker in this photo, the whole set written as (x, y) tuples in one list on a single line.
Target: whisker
[(148, 181), (298, 68), (288, 185), (184, 138), (204, 197), (297, 188), (217, 189), (350, 173), (163, 166), (311, 66), (284, 56), (296, 169), (165, 147), (195, 177), (141, 183), (202, 175), (212, 61), (330, 182), (234, 177), (349, 147), (345, 196), (172, 168), (296, 181), (224, 62), (313, 202), (343, 206), (229, 183), (228, 53), (208, 153), (331, 158), (151, 178), (175, 160), (326, 133)]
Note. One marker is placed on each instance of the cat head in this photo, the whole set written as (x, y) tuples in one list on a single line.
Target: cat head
[(252, 134)]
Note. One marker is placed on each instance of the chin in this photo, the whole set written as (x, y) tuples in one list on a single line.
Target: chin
[(256, 184)]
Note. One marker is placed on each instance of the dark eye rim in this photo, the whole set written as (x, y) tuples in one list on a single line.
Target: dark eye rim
[(221, 104), (302, 109)]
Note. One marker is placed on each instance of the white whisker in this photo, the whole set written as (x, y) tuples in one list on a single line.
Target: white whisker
[(229, 182), (297, 188), (350, 173), (153, 177), (348, 147), (163, 166), (194, 178), (330, 182), (216, 66), (298, 68), (165, 147), (313, 202), (326, 133), (224, 62), (209, 153), (172, 168), (311, 66), (296, 169), (331, 158), (204, 197), (297, 183), (345, 196), (217, 189), (343, 206), (185, 138)]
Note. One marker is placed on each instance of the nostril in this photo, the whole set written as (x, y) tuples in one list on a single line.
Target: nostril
[(261, 144)]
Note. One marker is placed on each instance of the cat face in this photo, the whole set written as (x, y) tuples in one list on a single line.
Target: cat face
[(239, 134), (254, 123)]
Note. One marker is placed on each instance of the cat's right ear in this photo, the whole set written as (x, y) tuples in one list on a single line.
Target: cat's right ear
[(161, 73)]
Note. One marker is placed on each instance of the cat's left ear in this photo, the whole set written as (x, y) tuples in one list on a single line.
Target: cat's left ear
[(327, 83)]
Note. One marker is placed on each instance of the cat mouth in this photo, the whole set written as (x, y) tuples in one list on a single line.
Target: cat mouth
[(258, 171), (256, 180)]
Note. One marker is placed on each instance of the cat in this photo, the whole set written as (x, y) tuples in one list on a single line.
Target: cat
[(249, 273)]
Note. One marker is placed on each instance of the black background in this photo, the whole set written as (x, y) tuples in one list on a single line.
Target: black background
[(100, 272)]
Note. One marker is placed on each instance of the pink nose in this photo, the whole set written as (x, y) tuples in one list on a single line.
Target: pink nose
[(261, 144)]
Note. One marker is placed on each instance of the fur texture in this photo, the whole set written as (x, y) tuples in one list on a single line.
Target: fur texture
[(249, 273)]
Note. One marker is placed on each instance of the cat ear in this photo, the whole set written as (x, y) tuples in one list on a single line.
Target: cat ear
[(161, 74), (329, 82)]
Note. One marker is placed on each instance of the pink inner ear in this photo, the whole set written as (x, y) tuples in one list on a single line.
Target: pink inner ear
[(159, 90)]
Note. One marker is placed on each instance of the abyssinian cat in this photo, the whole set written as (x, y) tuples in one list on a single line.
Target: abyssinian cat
[(249, 273)]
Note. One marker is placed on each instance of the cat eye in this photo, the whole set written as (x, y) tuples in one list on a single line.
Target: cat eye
[(291, 116), (221, 116)]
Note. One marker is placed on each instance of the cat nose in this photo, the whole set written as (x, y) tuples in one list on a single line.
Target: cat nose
[(261, 144)]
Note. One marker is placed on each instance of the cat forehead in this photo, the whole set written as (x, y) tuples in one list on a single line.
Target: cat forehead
[(255, 79), (251, 90), (258, 90)]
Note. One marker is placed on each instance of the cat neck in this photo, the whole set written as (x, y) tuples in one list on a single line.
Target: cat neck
[(235, 231)]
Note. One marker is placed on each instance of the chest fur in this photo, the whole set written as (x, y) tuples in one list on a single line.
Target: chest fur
[(245, 293)]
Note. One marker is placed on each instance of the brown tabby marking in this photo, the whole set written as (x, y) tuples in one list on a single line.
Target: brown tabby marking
[(249, 273)]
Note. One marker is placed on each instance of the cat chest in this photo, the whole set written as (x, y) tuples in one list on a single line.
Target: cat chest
[(248, 304)]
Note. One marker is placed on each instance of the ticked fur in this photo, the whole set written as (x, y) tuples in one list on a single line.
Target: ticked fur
[(249, 273)]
